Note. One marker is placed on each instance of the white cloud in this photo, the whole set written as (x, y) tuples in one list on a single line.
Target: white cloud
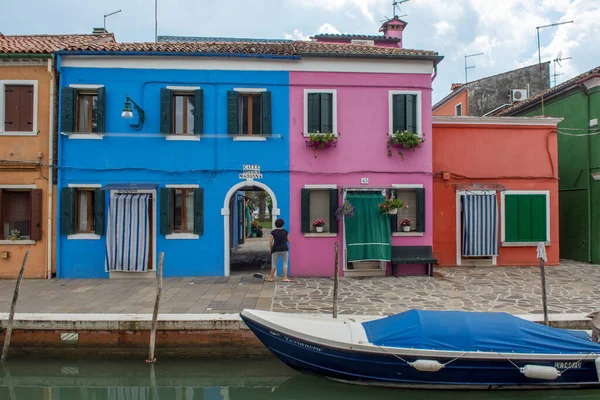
[(328, 28), (364, 6), (443, 28), (299, 35)]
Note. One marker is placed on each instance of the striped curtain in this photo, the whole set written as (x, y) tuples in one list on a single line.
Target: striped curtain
[(128, 233), (480, 225)]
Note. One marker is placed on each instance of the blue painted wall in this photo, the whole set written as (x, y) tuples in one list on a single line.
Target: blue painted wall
[(212, 163)]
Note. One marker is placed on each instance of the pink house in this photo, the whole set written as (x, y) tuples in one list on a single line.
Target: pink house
[(361, 103)]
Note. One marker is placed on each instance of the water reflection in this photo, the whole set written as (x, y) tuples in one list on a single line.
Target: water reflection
[(28, 379)]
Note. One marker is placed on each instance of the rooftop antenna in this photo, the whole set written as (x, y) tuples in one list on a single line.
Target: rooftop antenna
[(108, 15), (397, 3), (467, 68), (557, 60)]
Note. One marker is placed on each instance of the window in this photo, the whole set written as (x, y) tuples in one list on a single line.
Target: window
[(183, 210), (20, 213), (85, 211), (458, 110), (409, 197), (87, 111), (526, 217), (319, 203), (320, 112), (405, 112), (414, 197), (183, 113), (18, 108), (249, 112)]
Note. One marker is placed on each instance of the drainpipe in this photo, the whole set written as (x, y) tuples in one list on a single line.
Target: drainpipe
[(434, 73), (589, 177), (50, 162), (58, 172)]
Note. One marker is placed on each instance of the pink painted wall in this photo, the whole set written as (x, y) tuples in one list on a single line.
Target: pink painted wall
[(361, 152)]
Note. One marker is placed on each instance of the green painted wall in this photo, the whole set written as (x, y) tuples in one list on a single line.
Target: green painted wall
[(577, 158)]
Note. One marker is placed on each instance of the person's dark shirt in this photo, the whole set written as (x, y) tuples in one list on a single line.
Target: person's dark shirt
[(279, 240)]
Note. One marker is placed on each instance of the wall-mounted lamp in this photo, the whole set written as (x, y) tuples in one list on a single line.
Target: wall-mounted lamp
[(127, 113)]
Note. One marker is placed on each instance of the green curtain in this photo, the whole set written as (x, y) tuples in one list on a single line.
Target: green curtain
[(368, 236)]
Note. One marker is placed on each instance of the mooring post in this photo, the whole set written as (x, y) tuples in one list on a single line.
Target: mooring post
[(541, 254), (336, 273), (13, 306), (151, 358)]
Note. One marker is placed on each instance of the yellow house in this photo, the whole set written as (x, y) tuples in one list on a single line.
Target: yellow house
[(28, 102)]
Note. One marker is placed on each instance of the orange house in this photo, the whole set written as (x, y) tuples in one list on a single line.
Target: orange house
[(28, 80), (495, 190)]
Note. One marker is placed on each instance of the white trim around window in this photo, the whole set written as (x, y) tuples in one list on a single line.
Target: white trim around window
[(183, 138), (85, 136), (183, 88), (85, 86), (186, 186), (183, 235), (456, 109), (419, 110), (34, 130), (249, 90), (503, 215), (84, 236), (333, 92), (85, 185), (18, 187), (320, 186), (407, 186)]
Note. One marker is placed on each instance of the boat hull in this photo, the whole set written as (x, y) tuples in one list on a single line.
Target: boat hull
[(387, 369)]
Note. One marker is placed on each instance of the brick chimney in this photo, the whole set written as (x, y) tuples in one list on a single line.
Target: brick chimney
[(393, 28)]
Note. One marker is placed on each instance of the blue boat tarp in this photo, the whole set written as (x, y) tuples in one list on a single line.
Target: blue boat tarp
[(471, 331)]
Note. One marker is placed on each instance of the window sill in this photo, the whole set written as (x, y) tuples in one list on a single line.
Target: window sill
[(190, 138), (249, 138), (85, 136), (320, 235), (3, 133), (84, 236), (408, 234), (18, 242), (183, 236), (523, 244), (307, 135)]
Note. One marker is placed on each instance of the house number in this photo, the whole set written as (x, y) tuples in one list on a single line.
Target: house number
[(364, 181)]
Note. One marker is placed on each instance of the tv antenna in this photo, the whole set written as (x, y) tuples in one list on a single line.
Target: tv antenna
[(108, 15), (559, 58), (396, 4), (467, 68)]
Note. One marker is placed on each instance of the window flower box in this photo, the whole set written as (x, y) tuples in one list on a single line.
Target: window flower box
[(403, 140), (320, 141)]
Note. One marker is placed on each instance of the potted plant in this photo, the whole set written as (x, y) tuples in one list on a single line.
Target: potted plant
[(319, 141), (345, 210), (405, 224), (391, 206), (15, 234), (319, 224), (403, 140)]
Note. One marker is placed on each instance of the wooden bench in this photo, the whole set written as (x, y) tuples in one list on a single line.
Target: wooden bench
[(413, 255)]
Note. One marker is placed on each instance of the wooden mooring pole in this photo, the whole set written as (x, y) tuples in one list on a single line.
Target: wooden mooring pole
[(336, 274), (13, 306), (151, 358), (541, 255)]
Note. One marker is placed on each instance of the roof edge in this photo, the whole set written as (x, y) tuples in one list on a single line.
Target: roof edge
[(532, 121), (448, 97)]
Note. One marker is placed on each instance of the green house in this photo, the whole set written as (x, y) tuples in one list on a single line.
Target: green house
[(577, 101)]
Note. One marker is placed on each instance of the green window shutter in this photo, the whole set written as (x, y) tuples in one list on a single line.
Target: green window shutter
[(233, 120), (166, 107), (305, 210), (198, 112), (398, 109), (199, 211), (314, 112), (524, 212), (68, 210), (99, 205), (538, 218), (265, 109), (326, 112), (333, 206), (166, 211), (101, 110), (67, 114), (420, 210), (511, 218), (411, 113), (394, 218)]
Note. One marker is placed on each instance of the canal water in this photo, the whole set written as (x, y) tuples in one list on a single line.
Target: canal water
[(33, 379)]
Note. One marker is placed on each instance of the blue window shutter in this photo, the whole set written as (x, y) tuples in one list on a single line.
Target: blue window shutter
[(326, 112), (398, 108), (198, 112), (67, 115), (233, 120), (411, 113), (314, 112), (265, 109), (101, 110), (166, 110)]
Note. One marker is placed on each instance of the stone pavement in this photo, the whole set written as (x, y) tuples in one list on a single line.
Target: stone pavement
[(572, 288)]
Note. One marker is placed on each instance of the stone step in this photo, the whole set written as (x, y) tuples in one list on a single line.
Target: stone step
[(364, 272)]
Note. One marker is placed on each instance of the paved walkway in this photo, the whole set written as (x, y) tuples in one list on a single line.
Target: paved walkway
[(572, 288)]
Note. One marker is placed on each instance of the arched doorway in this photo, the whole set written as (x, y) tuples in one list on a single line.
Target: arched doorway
[(248, 184)]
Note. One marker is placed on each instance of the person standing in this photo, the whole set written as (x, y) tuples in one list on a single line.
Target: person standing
[(248, 216), (279, 249)]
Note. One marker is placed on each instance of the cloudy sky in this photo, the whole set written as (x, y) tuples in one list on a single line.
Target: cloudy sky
[(504, 30)]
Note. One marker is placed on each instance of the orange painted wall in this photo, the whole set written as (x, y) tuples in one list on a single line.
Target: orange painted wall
[(516, 157), (448, 109), (26, 148)]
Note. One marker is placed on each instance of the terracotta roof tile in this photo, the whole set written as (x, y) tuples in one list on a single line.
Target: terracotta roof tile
[(46, 44), (549, 92), (349, 36)]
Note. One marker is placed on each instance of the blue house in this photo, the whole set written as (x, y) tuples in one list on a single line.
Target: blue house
[(155, 148)]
